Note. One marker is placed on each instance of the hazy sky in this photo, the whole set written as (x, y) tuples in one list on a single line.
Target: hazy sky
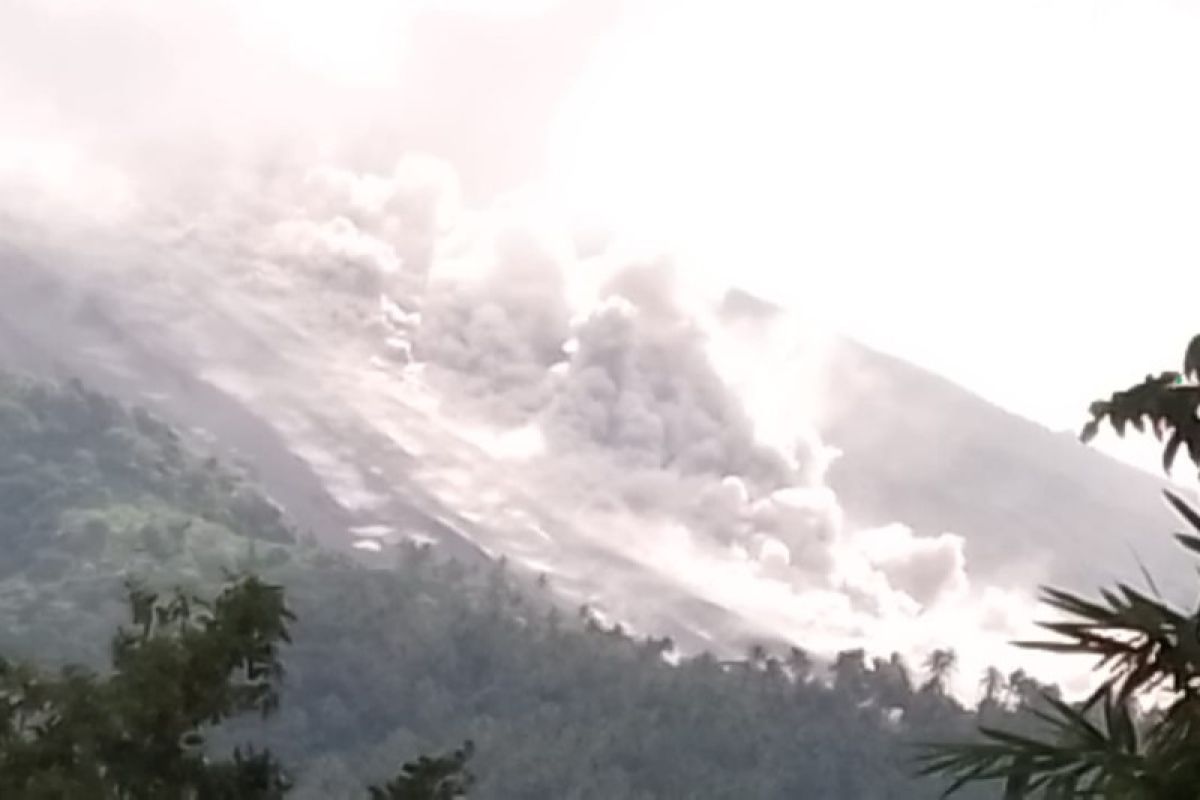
[(1007, 192)]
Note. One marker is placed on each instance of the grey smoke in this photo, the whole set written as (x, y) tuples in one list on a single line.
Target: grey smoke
[(646, 440)]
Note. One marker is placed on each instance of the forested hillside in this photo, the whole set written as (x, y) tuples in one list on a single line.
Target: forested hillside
[(426, 653)]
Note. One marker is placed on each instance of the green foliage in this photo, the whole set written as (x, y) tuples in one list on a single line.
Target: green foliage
[(68, 452), (1142, 644), (442, 778), (417, 655), (88, 491), (1168, 402), (181, 668), (139, 732)]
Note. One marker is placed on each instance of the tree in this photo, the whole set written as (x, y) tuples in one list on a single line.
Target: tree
[(800, 664), (428, 778), (993, 687), (1102, 747), (389, 656), (850, 674), (1168, 402), (893, 684), (940, 664), (182, 666)]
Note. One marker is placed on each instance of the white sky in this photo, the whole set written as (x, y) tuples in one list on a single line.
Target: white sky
[(1006, 192)]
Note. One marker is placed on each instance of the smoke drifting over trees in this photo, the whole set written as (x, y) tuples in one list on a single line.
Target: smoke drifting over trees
[(665, 420)]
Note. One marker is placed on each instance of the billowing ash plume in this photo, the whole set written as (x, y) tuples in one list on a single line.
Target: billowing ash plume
[(674, 424), (661, 436)]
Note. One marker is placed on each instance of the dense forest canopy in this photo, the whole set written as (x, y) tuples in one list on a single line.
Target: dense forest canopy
[(424, 653)]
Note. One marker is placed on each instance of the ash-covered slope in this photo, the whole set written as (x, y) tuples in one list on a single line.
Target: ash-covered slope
[(391, 366), (1030, 501), (352, 454)]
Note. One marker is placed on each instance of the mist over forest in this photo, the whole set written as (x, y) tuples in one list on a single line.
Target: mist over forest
[(543, 461)]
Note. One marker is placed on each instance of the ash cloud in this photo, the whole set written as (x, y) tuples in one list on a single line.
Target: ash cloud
[(674, 427), (655, 409)]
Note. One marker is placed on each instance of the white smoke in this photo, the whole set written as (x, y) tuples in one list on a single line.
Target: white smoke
[(665, 425), (662, 424), (615, 413)]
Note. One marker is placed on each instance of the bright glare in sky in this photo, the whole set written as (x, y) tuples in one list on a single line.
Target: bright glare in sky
[(1005, 192), (356, 42)]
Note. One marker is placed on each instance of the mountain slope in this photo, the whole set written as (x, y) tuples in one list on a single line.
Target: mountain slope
[(1030, 502), (343, 448), (643, 487), (421, 652)]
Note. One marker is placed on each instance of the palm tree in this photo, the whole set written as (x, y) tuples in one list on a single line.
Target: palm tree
[(994, 687), (850, 674), (893, 683), (756, 656), (799, 664), (1100, 748), (940, 664)]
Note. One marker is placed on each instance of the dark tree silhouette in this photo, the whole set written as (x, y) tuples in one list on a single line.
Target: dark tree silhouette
[(182, 666), (428, 778), (1102, 747), (394, 659)]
